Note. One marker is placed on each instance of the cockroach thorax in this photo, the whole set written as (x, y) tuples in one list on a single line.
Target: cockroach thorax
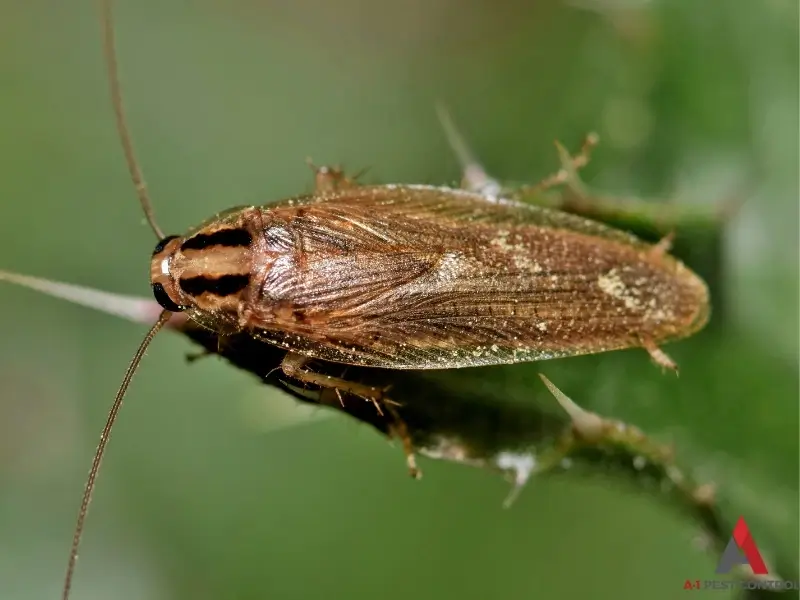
[(208, 270)]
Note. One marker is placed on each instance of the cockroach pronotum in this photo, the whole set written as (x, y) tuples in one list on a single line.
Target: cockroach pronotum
[(407, 277)]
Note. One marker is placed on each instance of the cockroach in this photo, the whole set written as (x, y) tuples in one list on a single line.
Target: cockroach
[(407, 277)]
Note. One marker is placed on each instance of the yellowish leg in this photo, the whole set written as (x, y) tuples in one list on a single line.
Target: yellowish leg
[(664, 245), (195, 356), (572, 163), (658, 356), (294, 366), (331, 178)]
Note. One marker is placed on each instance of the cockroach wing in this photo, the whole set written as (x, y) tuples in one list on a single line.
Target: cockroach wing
[(416, 277)]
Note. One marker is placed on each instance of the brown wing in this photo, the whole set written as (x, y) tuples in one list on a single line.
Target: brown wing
[(417, 277)]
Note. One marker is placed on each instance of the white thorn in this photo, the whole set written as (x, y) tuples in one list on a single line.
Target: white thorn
[(475, 177), (132, 308), (588, 424)]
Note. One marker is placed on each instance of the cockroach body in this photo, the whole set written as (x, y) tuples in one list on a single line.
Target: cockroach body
[(420, 277)]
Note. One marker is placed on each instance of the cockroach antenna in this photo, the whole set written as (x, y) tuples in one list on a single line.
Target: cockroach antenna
[(101, 446), (110, 52), (109, 47)]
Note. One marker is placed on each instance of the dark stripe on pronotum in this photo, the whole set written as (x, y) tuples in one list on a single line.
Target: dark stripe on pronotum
[(163, 244), (219, 286), (223, 237)]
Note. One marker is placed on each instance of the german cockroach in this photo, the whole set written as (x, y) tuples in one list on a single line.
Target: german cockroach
[(408, 277)]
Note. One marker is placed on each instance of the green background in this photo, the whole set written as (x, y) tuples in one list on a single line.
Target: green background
[(204, 494)]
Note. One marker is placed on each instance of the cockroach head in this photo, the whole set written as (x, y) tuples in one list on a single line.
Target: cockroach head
[(161, 281)]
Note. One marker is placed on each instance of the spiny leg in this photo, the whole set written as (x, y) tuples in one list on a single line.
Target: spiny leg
[(664, 245), (331, 178), (570, 165), (658, 356), (192, 357), (294, 366), (399, 429)]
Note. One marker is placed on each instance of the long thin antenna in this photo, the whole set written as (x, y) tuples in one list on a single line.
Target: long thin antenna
[(101, 447), (110, 51)]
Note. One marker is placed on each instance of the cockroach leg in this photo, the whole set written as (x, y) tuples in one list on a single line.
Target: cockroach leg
[(658, 356), (331, 178), (374, 403), (664, 245), (584, 155), (312, 395), (570, 164), (192, 357), (399, 429), (195, 356), (474, 178), (294, 366)]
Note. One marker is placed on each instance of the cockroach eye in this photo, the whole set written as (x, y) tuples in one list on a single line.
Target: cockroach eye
[(164, 300), (163, 244)]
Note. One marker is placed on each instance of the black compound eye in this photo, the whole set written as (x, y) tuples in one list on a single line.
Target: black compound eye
[(163, 244), (164, 300)]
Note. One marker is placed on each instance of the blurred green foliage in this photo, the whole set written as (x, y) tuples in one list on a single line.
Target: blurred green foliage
[(693, 101)]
